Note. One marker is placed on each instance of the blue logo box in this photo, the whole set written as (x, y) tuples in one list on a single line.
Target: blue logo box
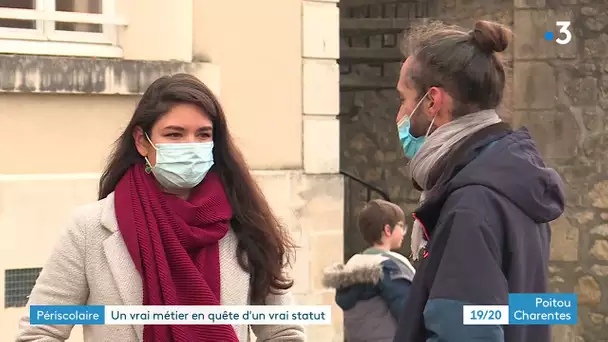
[(67, 314), (543, 308)]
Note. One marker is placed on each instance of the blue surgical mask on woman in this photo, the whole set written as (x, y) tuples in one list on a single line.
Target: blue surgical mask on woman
[(410, 144), (181, 165)]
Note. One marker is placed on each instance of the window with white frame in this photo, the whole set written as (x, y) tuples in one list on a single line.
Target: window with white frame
[(59, 27)]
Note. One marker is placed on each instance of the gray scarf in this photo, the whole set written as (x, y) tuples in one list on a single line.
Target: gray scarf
[(437, 146)]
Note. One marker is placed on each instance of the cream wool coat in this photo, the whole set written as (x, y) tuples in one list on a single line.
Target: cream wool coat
[(90, 265)]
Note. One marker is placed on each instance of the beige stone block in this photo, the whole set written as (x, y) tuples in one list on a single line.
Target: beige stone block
[(596, 318), (35, 209), (210, 75), (321, 145), (601, 230), (320, 29), (276, 186), (305, 204), (530, 3), (564, 240), (534, 85), (530, 26), (588, 290), (300, 270), (600, 250), (599, 195), (78, 137), (143, 35), (584, 216), (259, 50), (566, 333), (309, 298), (320, 202), (321, 87), (556, 132), (337, 315), (326, 249), (599, 270)]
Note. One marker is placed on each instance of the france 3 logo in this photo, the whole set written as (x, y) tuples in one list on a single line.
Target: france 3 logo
[(564, 35)]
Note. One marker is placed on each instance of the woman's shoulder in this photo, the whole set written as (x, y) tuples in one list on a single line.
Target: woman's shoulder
[(90, 217)]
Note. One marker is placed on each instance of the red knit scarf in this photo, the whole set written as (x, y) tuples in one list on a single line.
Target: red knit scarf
[(174, 245)]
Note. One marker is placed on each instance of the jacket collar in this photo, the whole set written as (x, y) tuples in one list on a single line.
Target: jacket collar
[(126, 277), (108, 214), (456, 161)]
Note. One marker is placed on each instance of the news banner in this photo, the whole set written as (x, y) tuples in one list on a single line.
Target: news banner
[(200, 315), (523, 309)]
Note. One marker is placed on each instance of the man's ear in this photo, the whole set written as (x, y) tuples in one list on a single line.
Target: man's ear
[(435, 99)]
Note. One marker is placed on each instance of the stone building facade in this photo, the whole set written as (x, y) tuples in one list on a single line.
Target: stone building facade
[(560, 92)]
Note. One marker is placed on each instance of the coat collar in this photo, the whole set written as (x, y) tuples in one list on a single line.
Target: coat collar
[(126, 277), (108, 214), (429, 211)]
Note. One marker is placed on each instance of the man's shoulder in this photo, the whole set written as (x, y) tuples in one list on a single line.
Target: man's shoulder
[(480, 206), (473, 198)]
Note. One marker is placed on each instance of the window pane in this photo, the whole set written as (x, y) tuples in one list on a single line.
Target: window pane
[(21, 24), (18, 284), (81, 6)]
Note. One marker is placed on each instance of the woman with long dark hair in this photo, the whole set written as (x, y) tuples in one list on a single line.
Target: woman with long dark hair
[(179, 221)]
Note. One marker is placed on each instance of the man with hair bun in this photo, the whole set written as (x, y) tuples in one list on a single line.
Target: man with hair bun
[(487, 197)]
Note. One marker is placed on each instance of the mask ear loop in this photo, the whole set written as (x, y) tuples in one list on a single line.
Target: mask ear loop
[(430, 126), (148, 168), (428, 131)]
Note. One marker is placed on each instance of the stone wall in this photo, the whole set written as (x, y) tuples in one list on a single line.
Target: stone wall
[(321, 189), (560, 92), (561, 95)]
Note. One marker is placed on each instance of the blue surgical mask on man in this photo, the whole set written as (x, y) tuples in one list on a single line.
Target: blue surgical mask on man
[(410, 144), (181, 166)]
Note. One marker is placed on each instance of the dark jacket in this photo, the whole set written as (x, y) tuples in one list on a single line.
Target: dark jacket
[(487, 219), (371, 289)]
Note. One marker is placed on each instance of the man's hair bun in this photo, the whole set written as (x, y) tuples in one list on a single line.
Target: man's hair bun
[(490, 36)]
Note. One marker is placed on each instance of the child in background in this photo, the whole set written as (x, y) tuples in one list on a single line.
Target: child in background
[(372, 286)]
